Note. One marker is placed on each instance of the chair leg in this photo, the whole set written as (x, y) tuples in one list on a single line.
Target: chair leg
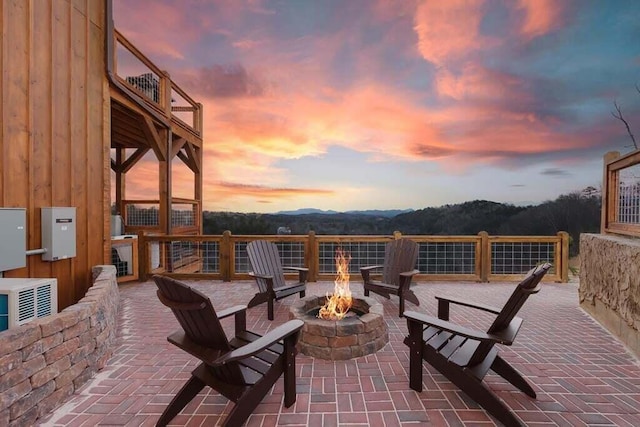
[(270, 308), (188, 391), (401, 305), (474, 388), (489, 401), (414, 342), (509, 373), (302, 294), (290, 370)]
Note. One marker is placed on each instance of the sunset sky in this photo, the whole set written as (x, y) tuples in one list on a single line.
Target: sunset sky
[(364, 104)]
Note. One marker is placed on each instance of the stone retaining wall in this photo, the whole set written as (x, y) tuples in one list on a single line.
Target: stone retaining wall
[(610, 284), (44, 361)]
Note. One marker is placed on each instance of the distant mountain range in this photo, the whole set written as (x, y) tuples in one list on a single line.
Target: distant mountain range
[(390, 213)]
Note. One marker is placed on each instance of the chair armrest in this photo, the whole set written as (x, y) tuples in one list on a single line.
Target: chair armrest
[(482, 307), (366, 271), (279, 333), (296, 268), (230, 311), (410, 273), (414, 316), (302, 273), (260, 276)]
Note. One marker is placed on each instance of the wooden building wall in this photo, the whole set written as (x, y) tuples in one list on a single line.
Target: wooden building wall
[(54, 129)]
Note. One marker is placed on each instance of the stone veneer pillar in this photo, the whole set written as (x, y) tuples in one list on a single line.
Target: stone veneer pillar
[(610, 284)]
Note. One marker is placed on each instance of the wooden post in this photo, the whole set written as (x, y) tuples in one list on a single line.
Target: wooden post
[(563, 271), (225, 256), (143, 257), (483, 259), (608, 192), (311, 256)]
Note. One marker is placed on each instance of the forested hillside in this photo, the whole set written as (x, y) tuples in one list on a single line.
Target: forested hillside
[(575, 213)]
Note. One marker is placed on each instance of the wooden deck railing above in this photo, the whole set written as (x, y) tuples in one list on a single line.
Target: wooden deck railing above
[(479, 258), (155, 86), (621, 194)]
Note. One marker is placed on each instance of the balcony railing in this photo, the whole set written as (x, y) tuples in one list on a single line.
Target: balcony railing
[(155, 86), (621, 194), (479, 258), (144, 216)]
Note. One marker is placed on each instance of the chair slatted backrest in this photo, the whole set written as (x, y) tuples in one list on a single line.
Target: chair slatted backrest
[(265, 260), (199, 320), (400, 256), (529, 285)]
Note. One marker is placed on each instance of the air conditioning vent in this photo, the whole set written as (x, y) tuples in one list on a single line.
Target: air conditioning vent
[(43, 300), (23, 300), (26, 305)]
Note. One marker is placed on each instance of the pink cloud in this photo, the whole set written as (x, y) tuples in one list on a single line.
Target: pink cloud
[(540, 17), (447, 30)]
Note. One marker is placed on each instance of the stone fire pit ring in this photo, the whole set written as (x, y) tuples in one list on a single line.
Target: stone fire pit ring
[(353, 336)]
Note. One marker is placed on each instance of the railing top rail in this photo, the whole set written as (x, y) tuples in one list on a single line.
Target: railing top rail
[(136, 52), (629, 159), (183, 94)]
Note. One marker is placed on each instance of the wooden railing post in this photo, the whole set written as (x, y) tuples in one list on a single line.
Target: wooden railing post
[(607, 190), (483, 259), (563, 268), (143, 257), (225, 256), (311, 256)]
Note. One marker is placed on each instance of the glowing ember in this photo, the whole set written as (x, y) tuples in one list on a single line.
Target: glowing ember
[(340, 302)]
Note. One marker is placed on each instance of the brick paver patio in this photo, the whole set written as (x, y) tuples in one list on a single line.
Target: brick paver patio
[(581, 373)]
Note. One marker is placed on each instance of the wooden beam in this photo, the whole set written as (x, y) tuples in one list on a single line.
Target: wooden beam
[(177, 146), (133, 159), (154, 138)]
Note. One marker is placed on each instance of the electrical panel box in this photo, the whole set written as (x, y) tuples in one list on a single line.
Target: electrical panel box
[(13, 238), (58, 233), (23, 300)]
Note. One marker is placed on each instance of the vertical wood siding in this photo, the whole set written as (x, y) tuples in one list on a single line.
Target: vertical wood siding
[(54, 129)]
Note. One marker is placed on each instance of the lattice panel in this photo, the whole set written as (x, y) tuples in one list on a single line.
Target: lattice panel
[(147, 216), (362, 254), (629, 195), (183, 215), (520, 257), (447, 258), (190, 257), (291, 255)]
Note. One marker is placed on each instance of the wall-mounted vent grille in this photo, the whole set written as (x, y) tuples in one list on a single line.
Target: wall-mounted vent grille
[(26, 305), (43, 300), (26, 300)]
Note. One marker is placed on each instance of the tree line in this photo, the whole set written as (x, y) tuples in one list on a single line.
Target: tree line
[(575, 213)]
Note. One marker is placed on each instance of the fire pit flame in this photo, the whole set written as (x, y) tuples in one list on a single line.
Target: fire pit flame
[(340, 302)]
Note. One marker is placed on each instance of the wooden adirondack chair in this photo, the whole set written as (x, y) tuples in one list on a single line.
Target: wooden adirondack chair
[(242, 369), (400, 258), (464, 355), (269, 274)]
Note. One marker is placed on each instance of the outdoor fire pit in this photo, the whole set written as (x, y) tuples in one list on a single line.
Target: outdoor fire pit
[(338, 326), (363, 331)]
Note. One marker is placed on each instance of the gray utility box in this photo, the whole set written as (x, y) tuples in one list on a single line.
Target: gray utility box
[(58, 233), (13, 238)]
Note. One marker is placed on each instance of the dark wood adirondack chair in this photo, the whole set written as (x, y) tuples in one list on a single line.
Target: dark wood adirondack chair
[(242, 369), (269, 274), (465, 355), (400, 258)]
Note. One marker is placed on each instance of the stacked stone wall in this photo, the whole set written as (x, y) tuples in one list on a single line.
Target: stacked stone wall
[(610, 284), (44, 361)]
